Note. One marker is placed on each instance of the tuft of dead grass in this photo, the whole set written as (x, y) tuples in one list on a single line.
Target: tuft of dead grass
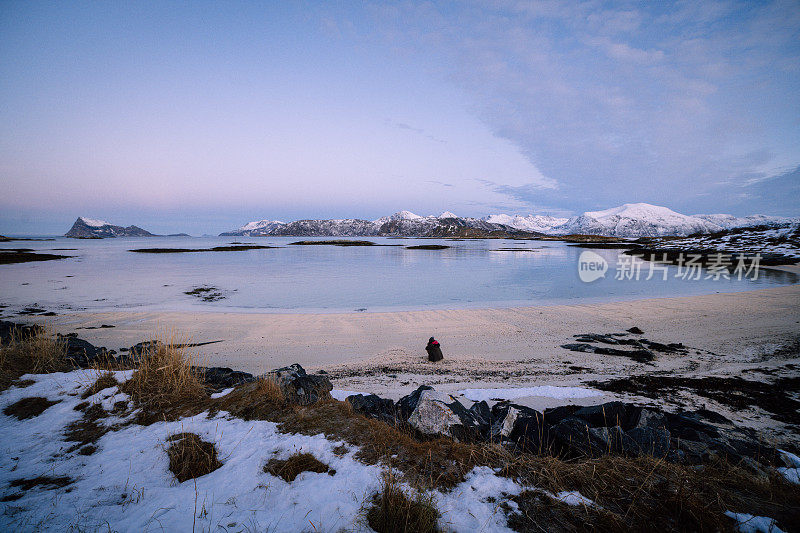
[(104, 381), (634, 494), (29, 352), (86, 430), (29, 407), (164, 385), (47, 482), (392, 511), (290, 468), (191, 457)]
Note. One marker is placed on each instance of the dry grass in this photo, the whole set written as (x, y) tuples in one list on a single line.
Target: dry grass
[(290, 468), (48, 482), (35, 353), (392, 511), (191, 457), (86, 430), (28, 407), (164, 386), (634, 494), (104, 381)]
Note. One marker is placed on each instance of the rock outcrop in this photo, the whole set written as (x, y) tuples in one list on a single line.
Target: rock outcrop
[(301, 388), (87, 228), (570, 431)]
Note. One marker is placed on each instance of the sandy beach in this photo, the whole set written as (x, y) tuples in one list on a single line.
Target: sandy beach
[(726, 335), (737, 324)]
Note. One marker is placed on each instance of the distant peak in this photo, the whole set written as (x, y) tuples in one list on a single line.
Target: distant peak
[(448, 214), (405, 215), (93, 222)]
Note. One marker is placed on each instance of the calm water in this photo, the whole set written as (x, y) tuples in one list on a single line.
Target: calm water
[(102, 275)]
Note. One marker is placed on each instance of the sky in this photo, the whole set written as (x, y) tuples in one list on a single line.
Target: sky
[(202, 116)]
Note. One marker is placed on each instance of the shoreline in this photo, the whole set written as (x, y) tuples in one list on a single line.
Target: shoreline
[(255, 342), (752, 335)]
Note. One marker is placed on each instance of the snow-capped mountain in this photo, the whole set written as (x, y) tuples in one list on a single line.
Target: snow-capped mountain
[(89, 228), (540, 223), (625, 221), (731, 222), (637, 220), (402, 223)]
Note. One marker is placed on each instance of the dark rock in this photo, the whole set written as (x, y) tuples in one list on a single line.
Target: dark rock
[(482, 413), (11, 330), (133, 355), (607, 415), (521, 427), (639, 355), (594, 337), (614, 440), (373, 406), (557, 414), (571, 438), (219, 378), (579, 347), (650, 441), (301, 388), (688, 426), (407, 404), (635, 330), (81, 353)]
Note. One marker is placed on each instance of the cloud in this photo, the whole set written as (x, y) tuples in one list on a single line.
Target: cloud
[(654, 102)]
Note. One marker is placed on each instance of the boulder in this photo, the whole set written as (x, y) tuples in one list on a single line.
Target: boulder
[(572, 437), (373, 406), (438, 413), (407, 404), (301, 388), (521, 427), (82, 353), (219, 378)]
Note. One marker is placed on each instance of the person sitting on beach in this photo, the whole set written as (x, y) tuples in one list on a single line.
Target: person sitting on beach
[(434, 350)]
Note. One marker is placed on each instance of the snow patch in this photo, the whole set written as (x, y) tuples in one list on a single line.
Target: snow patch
[(341, 395), (94, 222), (549, 391), (791, 472), (222, 393), (747, 523)]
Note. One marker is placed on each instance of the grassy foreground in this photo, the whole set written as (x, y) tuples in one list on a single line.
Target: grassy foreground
[(627, 494)]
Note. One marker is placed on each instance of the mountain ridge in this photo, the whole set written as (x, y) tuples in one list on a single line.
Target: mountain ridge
[(630, 220)]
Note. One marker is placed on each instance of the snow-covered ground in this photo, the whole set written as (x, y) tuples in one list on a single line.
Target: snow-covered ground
[(126, 485), (547, 391), (747, 242)]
